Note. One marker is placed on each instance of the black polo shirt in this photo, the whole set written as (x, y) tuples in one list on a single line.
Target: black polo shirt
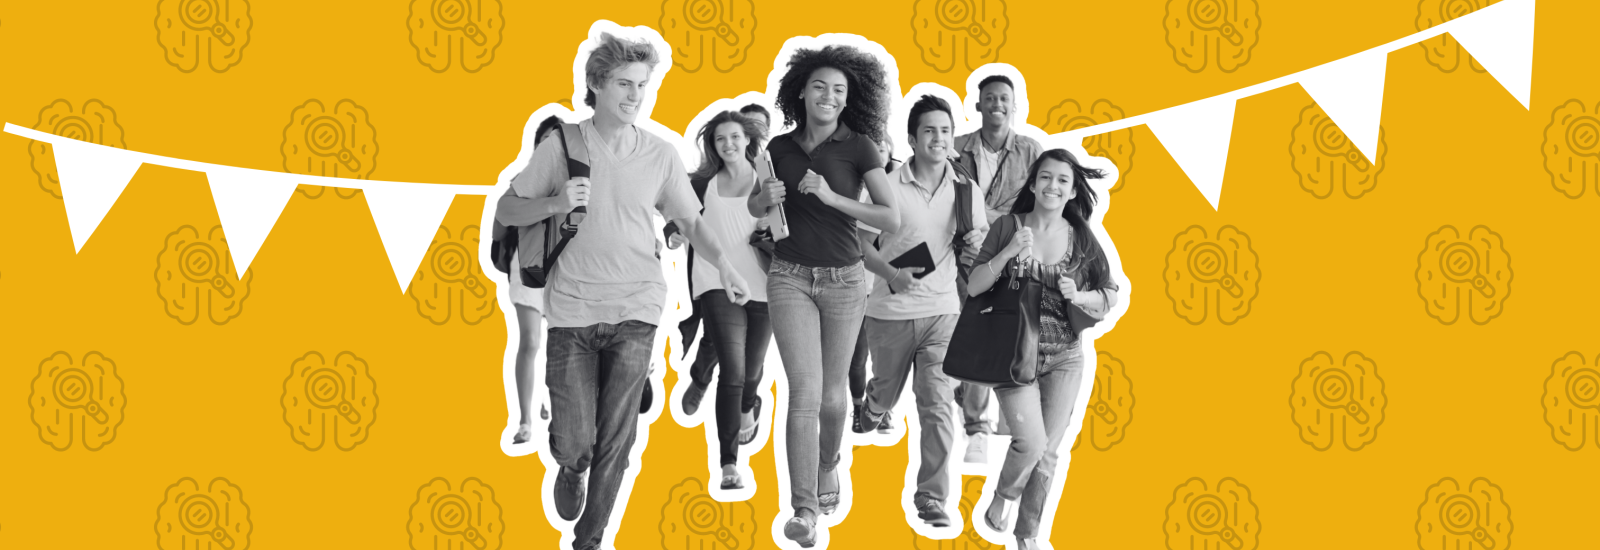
[(820, 236)]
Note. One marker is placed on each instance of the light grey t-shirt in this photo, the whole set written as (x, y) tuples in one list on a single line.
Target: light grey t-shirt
[(609, 272)]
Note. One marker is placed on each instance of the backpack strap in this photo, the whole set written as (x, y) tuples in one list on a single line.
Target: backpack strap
[(577, 151), (963, 206)]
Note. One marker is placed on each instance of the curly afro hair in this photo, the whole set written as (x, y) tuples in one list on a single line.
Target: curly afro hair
[(866, 108)]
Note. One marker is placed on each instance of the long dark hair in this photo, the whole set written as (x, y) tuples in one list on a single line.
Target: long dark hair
[(1077, 211), (710, 161), (866, 107)]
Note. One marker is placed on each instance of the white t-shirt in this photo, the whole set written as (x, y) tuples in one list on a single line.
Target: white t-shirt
[(988, 163)]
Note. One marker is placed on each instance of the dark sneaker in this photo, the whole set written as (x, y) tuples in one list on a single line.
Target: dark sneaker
[(646, 398), (692, 397), (569, 493), (865, 422), (933, 513)]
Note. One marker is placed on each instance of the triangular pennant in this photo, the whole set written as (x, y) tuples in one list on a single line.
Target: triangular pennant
[(1350, 90), (407, 215), (1500, 37), (92, 177), (1196, 135), (248, 203)]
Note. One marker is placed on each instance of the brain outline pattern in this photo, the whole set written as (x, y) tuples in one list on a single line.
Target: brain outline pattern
[(1443, 51), (322, 401), (1110, 411), (964, 33), (77, 402), (470, 36), (1325, 158), (728, 26), (1477, 266), (1202, 33), (221, 28), (1347, 397), (1578, 129), (1116, 145), (1221, 273), (467, 518), (1571, 401), (969, 539), (194, 274), (691, 520), (216, 515), (450, 282), (1455, 518), (1221, 518), (341, 143), (95, 122)]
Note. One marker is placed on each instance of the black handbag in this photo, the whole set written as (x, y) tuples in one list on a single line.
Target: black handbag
[(996, 340)]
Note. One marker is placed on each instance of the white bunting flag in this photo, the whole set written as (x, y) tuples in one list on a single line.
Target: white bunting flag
[(407, 215), (92, 178), (1350, 90), (1500, 37), (1196, 135), (248, 204)]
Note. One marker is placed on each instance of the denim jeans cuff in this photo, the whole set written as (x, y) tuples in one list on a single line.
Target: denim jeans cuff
[(829, 465)]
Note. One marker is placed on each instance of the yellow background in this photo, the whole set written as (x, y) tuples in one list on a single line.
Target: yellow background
[(1464, 400)]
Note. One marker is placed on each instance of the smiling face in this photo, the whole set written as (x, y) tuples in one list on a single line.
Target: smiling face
[(931, 141), (621, 96), (996, 104), (730, 142), (824, 95), (1052, 187)]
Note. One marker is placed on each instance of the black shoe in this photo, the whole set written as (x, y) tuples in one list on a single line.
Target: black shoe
[(864, 424), (933, 513), (646, 398), (569, 493), (692, 397)]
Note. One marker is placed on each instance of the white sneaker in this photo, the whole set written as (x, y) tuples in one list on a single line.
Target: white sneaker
[(977, 448)]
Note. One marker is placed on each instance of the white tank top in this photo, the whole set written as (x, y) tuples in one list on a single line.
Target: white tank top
[(729, 219)]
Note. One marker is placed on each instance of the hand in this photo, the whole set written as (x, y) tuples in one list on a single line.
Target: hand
[(1021, 246), (738, 290), (974, 240), (815, 184), (772, 192), (676, 240), (904, 280), (576, 191), (1069, 290)]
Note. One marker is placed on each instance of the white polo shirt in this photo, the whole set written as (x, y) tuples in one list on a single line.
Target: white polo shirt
[(924, 217)]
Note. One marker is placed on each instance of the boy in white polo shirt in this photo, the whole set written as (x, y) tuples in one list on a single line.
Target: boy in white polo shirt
[(911, 314)]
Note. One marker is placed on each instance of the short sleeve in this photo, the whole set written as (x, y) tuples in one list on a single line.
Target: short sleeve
[(997, 239), (544, 173), (676, 199), (867, 156)]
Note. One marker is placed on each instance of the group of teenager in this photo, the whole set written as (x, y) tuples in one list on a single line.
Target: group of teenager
[(826, 293)]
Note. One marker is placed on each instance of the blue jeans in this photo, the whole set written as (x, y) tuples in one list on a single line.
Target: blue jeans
[(816, 316), (1038, 417), (596, 374)]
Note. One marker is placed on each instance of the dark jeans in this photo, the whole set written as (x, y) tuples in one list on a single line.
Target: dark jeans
[(596, 374), (742, 333), (705, 360)]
